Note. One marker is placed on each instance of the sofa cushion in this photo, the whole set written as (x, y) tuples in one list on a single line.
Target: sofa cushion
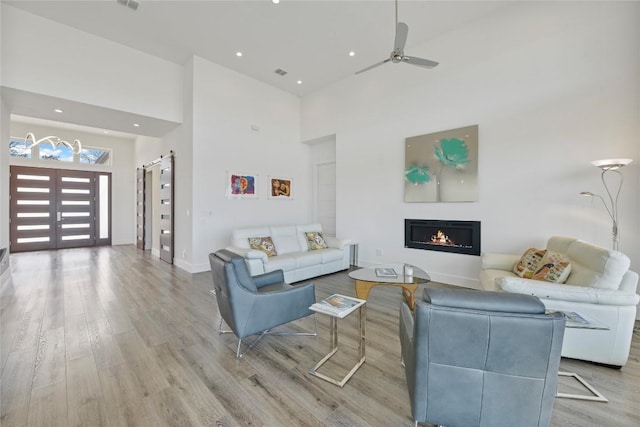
[(307, 259), (264, 244), (281, 262), (596, 266), (528, 263), (240, 237), (554, 291), (285, 239), (302, 238), (315, 240), (330, 255), (554, 267), (488, 278)]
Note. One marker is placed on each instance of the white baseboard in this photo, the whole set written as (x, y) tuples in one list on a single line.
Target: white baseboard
[(191, 268), (180, 263), (448, 279), (199, 268), (155, 252)]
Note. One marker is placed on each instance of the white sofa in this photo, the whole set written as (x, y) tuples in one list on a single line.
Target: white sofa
[(293, 255), (600, 287)]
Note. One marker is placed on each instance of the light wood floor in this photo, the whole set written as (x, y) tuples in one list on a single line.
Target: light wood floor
[(112, 336)]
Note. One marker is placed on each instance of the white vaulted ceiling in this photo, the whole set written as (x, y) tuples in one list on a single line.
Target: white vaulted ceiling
[(311, 40)]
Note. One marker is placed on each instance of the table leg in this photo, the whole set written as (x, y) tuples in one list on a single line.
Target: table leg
[(334, 343), (409, 296), (363, 288), (408, 291)]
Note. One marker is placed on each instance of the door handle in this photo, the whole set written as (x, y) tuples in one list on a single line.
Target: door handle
[(59, 216)]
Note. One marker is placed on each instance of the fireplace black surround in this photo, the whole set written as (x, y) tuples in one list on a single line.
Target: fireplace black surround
[(460, 237)]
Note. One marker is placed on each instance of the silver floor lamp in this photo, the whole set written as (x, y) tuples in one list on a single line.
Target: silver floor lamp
[(609, 166)]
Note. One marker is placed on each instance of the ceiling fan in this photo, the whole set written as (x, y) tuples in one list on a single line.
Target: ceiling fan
[(397, 54)]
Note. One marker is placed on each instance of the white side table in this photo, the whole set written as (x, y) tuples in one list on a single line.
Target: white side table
[(361, 307)]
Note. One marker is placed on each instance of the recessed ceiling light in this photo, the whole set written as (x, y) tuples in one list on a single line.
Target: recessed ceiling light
[(352, 53), (136, 125), (238, 53), (299, 82), (57, 110), (275, 1)]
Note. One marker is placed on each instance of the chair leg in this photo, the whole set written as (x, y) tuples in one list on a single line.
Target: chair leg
[(223, 331), (300, 334), (250, 346), (267, 332)]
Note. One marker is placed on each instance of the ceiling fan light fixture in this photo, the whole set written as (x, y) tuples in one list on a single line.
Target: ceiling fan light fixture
[(397, 54)]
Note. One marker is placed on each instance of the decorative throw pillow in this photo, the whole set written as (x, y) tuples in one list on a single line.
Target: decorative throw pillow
[(264, 244), (554, 267), (315, 240), (529, 262)]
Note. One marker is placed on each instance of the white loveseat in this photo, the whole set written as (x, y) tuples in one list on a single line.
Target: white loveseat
[(600, 287), (293, 255)]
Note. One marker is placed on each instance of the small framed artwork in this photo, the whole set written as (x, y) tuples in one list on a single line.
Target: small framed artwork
[(280, 188), (242, 185)]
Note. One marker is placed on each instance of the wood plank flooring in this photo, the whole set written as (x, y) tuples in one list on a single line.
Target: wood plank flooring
[(112, 336)]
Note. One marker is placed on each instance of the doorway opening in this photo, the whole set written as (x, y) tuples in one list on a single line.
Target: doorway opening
[(154, 207)]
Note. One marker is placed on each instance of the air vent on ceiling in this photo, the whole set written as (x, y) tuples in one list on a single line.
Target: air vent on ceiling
[(280, 72), (131, 4)]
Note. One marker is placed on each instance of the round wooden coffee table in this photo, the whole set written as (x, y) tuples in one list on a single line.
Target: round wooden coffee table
[(389, 275)]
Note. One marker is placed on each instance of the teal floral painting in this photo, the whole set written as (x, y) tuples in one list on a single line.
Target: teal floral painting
[(442, 166), (453, 152)]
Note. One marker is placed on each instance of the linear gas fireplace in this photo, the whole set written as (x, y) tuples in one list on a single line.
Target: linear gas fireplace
[(460, 237)]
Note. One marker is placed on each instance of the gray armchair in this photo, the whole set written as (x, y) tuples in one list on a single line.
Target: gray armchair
[(476, 358), (254, 305)]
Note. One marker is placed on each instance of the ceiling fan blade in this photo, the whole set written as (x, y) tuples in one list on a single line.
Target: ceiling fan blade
[(373, 66), (402, 30), (426, 63)]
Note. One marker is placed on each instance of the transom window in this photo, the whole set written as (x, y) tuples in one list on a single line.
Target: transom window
[(61, 153)]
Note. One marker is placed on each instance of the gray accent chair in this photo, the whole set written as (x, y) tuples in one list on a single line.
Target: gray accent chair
[(475, 358), (254, 305)]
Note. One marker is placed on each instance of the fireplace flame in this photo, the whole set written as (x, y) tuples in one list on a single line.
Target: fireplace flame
[(441, 239)]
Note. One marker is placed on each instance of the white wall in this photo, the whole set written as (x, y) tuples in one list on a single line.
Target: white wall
[(552, 86), (123, 173), (4, 184), (85, 68), (4, 179), (225, 105), (147, 149)]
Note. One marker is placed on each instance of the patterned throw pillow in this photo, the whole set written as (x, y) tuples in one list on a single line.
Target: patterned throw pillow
[(529, 262), (553, 267), (315, 240), (264, 244)]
